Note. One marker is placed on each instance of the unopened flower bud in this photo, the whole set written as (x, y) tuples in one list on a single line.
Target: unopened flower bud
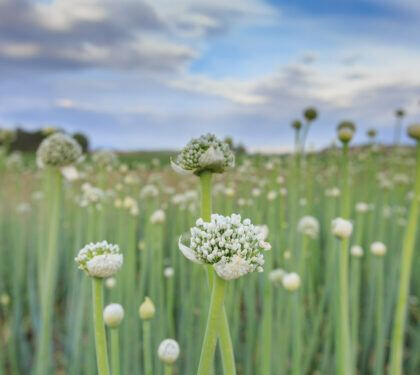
[(147, 309), (378, 248), (356, 251), (168, 351), (113, 315), (413, 131), (291, 281)]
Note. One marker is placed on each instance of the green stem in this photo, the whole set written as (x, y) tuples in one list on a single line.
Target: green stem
[(344, 344), (405, 271), (115, 352), (48, 279), (380, 339), (168, 369), (146, 348), (100, 336), (213, 325), (226, 348)]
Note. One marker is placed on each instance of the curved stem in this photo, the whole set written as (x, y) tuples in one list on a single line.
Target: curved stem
[(100, 336), (405, 272), (213, 324)]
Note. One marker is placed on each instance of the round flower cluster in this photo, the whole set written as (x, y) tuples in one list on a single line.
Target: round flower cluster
[(104, 158), (206, 153), (309, 226), (100, 259), (341, 228), (233, 246), (113, 315), (58, 150)]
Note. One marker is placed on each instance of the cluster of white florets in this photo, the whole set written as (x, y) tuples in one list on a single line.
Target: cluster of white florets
[(309, 226), (206, 153), (100, 259), (58, 150), (105, 158), (233, 246)]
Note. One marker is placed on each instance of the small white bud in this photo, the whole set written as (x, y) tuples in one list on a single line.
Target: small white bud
[(113, 315), (356, 251), (168, 351), (168, 272), (110, 282), (291, 281), (378, 248)]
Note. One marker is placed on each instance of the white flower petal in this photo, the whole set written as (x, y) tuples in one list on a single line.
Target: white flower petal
[(187, 252)]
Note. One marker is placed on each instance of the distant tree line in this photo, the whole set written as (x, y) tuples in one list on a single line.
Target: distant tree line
[(28, 141)]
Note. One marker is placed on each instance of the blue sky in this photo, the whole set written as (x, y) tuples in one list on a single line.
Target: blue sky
[(151, 74)]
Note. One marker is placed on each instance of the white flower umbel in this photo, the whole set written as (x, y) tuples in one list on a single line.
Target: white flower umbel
[(234, 247), (378, 248), (341, 228), (168, 351), (362, 207), (113, 315), (276, 276), (206, 153), (158, 217), (356, 251), (309, 226), (100, 259), (291, 281), (58, 150)]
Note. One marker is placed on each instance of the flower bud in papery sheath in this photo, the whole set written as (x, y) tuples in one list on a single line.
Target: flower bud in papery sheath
[(356, 251), (206, 153), (400, 113), (234, 247), (371, 133), (110, 282), (346, 130), (168, 272), (309, 226), (378, 248), (147, 309), (168, 351), (310, 114), (413, 131), (100, 259), (291, 281), (58, 150), (341, 228), (113, 315)]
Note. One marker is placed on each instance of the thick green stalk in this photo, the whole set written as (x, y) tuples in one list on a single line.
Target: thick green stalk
[(214, 321), (380, 339), (168, 369), (344, 344), (48, 279), (115, 352), (228, 357), (405, 271), (147, 353), (100, 336)]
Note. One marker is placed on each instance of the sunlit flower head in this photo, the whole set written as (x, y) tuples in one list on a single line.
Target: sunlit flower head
[(378, 248), (413, 131)]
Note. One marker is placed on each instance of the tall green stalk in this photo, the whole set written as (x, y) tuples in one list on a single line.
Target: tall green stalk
[(115, 352), (397, 342), (225, 340), (344, 344), (214, 322), (100, 335), (48, 278)]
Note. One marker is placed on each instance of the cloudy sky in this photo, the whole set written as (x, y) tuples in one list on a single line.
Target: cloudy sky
[(151, 74)]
